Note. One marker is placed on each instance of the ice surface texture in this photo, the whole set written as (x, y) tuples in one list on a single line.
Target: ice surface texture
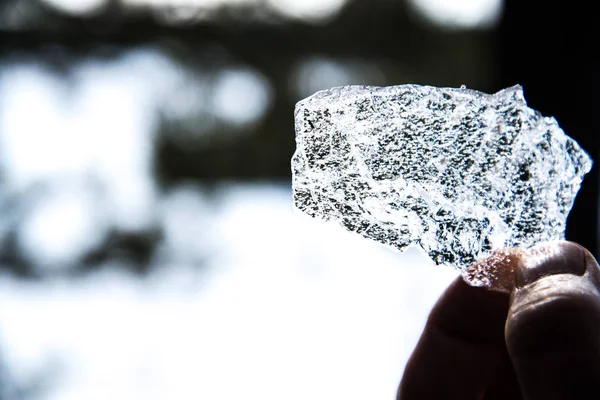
[(456, 171)]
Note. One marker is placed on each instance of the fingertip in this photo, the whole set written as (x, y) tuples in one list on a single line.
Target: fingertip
[(550, 258), (471, 312), (460, 345)]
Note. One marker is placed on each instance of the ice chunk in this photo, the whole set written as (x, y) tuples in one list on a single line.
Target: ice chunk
[(459, 172)]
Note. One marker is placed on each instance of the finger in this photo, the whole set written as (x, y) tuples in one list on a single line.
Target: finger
[(460, 347), (503, 384), (553, 327)]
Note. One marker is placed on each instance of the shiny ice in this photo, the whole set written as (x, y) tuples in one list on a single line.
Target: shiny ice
[(458, 172)]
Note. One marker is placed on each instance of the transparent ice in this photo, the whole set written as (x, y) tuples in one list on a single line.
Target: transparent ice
[(458, 172)]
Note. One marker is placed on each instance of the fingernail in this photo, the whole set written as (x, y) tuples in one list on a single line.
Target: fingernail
[(551, 258)]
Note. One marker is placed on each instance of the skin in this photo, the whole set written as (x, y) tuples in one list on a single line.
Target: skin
[(540, 341)]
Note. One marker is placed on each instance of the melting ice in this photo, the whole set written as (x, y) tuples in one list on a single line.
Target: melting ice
[(458, 172)]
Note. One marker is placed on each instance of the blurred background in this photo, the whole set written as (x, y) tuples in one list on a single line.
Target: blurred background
[(147, 244)]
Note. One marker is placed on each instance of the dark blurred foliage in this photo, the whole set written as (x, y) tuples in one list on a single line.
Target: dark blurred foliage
[(380, 32)]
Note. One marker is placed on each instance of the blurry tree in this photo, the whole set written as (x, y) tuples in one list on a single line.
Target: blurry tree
[(380, 34)]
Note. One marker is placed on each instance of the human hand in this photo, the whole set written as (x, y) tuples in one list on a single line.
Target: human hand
[(541, 341)]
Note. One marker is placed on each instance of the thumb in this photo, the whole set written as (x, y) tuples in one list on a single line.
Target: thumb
[(553, 327)]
